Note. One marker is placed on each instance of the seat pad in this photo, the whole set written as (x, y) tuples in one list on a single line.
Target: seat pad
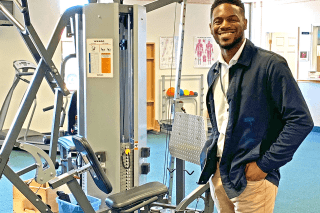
[(136, 195), (67, 143)]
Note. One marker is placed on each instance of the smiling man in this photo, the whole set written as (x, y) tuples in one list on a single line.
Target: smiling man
[(258, 114)]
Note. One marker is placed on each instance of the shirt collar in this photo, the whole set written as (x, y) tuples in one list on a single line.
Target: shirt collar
[(235, 58)]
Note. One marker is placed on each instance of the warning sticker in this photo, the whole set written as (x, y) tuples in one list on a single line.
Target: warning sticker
[(136, 147), (100, 58)]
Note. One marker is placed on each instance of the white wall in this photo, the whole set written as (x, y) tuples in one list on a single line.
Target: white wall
[(267, 17), (160, 23), (44, 15), (287, 17)]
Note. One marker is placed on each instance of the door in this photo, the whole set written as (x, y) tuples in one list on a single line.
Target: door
[(284, 44)]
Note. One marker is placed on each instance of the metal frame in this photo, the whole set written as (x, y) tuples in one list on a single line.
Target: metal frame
[(6, 104), (164, 98), (47, 69)]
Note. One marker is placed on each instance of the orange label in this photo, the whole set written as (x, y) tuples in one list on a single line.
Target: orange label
[(106, 62)]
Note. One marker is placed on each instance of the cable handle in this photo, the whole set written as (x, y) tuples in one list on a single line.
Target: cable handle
[(48, 108)]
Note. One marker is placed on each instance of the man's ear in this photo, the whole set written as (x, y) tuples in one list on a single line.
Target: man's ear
[(245, 24)]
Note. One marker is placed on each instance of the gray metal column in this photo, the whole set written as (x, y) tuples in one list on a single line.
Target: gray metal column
[(55, 125), (140, 86), (80, 43), (180, 180), (99, 116), (81, 196)]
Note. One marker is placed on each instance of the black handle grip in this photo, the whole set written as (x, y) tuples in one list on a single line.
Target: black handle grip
[(48, 108)]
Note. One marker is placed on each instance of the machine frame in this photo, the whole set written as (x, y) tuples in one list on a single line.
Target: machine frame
[(47, 69)]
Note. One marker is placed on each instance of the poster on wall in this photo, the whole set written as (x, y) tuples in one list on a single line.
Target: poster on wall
[(203, 52), (100, 58), (167, 53), (304, 56)]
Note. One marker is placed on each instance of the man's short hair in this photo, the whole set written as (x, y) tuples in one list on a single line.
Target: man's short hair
[(216, 3)]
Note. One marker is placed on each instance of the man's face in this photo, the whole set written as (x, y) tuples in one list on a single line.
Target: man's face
[(228, 25)]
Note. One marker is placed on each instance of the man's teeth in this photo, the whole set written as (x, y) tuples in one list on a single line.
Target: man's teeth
[(226, 33)]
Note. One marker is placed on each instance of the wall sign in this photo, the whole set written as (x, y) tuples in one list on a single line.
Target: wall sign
[(100, 58), (168, 49), (203, 52)]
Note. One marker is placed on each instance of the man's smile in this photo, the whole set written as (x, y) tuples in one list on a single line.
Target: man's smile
[(226, 33)]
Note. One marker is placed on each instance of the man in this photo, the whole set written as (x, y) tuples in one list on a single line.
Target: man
[(259, 117)]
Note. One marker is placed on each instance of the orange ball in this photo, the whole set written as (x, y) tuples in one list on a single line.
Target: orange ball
[(170, 92), (191, 93)]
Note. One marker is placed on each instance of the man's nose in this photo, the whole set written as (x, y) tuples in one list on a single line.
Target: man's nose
[(225, 24)]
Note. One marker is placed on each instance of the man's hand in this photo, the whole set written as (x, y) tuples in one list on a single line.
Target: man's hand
[(254, 173)]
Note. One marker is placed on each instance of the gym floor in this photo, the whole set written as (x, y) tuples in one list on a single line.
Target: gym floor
[(299, 188)]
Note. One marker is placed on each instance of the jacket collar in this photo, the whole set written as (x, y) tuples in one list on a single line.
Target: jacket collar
[(244, 59), (246, 56)]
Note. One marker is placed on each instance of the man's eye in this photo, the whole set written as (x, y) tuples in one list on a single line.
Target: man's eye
[(233, 20), (217, 21)]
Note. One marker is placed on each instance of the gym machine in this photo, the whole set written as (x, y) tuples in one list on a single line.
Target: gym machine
[(22, 69), (114, 72)]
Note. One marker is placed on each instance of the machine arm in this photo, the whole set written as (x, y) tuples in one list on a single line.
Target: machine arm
[(12, 19), (160, 3)]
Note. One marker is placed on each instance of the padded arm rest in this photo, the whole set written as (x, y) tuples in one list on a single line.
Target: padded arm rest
[(136, 195), (97, 174)]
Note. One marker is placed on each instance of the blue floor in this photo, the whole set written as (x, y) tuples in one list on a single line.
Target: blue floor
[(299, 189)]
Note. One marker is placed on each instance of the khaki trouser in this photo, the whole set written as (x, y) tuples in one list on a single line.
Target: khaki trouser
[(258, 197)]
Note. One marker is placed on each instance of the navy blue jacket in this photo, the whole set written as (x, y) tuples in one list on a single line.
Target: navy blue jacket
[(268, 119)]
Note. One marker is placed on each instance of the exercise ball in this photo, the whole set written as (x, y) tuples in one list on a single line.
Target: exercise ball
[(170, 92)]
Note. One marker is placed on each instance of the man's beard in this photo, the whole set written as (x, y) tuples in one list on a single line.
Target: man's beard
[(233, 44)]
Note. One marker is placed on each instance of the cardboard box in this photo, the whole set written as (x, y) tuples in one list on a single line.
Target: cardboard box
[(22, 205)]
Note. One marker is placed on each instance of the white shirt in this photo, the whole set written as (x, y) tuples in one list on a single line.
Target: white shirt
[(221, 105)]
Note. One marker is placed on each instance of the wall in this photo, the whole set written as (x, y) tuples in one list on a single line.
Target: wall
[(287, 16), (44, 15), (160, 23)]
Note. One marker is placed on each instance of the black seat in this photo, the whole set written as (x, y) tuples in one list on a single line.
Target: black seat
[(126, 200), (135, 196)]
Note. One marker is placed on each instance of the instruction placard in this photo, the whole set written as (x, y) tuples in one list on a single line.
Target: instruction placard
[(100, 58)]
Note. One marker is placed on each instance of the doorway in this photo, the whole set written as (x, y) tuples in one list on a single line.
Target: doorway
[(284, 44)]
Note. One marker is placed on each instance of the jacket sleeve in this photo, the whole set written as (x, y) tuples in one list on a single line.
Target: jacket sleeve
[(295, 115)]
